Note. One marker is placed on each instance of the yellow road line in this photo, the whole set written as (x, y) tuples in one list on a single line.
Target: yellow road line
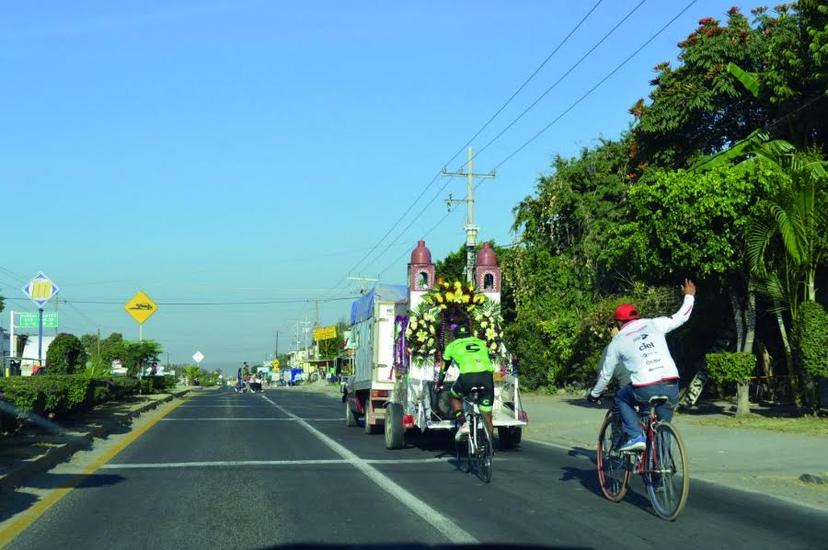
[(14, 528)]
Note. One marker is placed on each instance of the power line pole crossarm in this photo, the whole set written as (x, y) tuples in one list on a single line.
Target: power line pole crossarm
[(471, 228)]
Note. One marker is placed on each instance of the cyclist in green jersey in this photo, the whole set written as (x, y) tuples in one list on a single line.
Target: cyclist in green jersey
[(472, 358)]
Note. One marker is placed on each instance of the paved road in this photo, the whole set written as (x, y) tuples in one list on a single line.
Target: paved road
[(251, 471)]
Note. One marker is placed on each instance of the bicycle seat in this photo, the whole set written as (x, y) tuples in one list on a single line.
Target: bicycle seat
[(657, 400)]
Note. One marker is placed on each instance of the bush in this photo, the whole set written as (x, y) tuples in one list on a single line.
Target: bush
[(102, 394), (811, 339), (23, 395), (124, 387), (731, 367), (155, 384), (66, 355)]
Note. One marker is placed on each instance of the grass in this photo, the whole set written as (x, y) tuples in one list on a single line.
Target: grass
[(805, 425)]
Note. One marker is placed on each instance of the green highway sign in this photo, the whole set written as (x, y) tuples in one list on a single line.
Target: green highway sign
[(29, 320)]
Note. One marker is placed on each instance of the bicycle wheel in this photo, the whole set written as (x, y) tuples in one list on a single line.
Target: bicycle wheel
[(613, 472), (485, 452), (667, 479)]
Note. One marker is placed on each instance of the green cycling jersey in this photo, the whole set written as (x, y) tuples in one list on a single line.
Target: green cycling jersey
[(470, 354)]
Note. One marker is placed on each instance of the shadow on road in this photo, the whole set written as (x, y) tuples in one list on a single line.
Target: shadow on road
[(588, 478)]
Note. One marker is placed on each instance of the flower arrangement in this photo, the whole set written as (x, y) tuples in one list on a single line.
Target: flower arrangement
[(451, 303)]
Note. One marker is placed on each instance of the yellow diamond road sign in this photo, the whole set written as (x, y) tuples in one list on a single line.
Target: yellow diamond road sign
[(141, 307)]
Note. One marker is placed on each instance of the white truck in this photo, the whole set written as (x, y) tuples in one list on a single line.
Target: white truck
[(394, 394), (367, 392), (415, 403)]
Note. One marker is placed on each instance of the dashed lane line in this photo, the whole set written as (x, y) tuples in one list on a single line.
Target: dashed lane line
[(439, 521)]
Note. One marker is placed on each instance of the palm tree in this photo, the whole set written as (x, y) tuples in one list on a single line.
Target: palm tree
[(787, 245)]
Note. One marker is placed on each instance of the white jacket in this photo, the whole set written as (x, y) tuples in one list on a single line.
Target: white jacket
[(640, 347)]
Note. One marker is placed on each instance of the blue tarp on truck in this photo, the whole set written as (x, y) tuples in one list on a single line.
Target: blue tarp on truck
[(363, 308)]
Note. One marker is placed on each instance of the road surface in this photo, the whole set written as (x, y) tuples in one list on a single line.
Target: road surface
[(226, 470)]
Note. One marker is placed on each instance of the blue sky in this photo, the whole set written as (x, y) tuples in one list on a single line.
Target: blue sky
[(257, 150)]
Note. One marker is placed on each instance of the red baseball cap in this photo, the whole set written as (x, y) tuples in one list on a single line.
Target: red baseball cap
[(626, 312)]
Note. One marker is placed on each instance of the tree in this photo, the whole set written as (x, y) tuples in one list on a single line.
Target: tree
[(330, 349), (137, 355), (66, 355), (695, 224), (734, 367)]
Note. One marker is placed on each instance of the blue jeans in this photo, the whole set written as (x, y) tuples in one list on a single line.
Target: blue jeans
[(628, 397)]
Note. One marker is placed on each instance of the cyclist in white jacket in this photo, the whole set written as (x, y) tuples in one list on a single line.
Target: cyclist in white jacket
[(640, 347)]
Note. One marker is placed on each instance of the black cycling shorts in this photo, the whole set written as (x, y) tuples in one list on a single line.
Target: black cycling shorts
[(465, 382)]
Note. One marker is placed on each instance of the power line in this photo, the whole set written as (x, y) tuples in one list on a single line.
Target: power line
[(531, 76), (463, 147), (561, 79), (596, 86)]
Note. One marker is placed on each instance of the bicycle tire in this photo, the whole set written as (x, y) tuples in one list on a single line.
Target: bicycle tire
[(613, 470), (667, 478), (485, 453)]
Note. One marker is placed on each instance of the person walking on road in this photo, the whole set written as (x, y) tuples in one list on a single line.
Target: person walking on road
[(641, 348)]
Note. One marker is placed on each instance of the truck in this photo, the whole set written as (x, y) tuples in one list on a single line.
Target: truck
[(394, 394), (415, 402), (368, 390)]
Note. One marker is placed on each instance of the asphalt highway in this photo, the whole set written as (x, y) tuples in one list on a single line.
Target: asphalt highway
[(226, 470)]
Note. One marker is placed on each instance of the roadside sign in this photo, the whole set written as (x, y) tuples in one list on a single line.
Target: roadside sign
[(324, 333), (275, 363), (141, 307), (29, 320), (40, 290), (198, 357)]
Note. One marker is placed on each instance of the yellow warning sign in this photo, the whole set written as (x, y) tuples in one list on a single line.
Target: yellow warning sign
[(141, 307), (324, 333)]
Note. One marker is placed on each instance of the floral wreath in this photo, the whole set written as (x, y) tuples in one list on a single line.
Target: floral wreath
[(453, 303)]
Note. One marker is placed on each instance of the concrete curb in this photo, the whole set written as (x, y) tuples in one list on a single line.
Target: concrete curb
[(77, 442)]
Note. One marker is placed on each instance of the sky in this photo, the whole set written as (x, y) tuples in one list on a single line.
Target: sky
[(258, 153)]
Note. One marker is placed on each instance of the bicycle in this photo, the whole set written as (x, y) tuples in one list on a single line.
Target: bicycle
[(480, 450), (662, 464)]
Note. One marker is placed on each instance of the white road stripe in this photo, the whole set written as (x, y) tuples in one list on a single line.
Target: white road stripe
[(248, 419), (219, 464), (243, 463), (443, 524)]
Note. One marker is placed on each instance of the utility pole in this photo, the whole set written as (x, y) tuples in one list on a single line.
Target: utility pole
[(471, 229)]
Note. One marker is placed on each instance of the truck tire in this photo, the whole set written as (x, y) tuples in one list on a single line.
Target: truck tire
[(509, 437), (394, 430), (350, 417)]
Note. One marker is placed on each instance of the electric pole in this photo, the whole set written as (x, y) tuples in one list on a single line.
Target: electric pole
[(471, 229)]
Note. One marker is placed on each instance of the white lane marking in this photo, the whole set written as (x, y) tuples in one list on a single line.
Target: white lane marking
[(248, 419), (242, 463), (443, 524), (219, 464), (219, 407)]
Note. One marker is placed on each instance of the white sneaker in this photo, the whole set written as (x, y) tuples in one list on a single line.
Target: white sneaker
[(462, 432)]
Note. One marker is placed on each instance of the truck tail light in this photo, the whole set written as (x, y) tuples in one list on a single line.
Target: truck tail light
[(408, 421), (379, 393), (523, 417)]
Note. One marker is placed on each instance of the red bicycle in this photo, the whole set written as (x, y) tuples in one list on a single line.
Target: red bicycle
[(662, 464)]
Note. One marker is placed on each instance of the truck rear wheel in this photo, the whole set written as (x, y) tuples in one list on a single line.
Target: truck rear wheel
[(394, 430), (350, 417)]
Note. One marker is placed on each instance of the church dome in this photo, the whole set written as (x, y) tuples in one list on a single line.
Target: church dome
[(421, 254)]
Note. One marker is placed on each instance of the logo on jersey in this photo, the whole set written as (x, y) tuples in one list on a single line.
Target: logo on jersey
[(646, 345), (472, 347)]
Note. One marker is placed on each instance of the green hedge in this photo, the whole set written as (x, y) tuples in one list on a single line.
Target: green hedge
[(731, 367), (59, 395), (811, 339), (155, 384)]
